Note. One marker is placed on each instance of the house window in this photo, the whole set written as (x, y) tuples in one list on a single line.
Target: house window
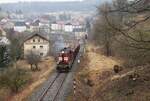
[(33, 40), (41, 54), (41, 46), (38, 40), (34, 47)]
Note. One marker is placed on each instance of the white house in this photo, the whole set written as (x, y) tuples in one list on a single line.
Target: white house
[(20, 26), (54, 26), (59, 26), (68, 27), (78, 26), (35, 25)]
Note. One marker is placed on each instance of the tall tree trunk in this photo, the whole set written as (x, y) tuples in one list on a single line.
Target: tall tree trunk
[(36, 65), (31, 66), (108, 50), (15, 63)]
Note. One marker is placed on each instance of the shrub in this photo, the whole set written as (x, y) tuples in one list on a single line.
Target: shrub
[(14, 79), (33, 59)]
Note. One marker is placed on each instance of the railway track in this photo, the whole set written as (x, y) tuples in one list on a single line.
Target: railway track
[(53, 89)]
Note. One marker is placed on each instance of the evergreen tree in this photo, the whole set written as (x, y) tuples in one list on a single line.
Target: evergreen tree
[(4, 56)]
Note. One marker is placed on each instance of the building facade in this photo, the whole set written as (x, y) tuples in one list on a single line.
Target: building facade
[(68, 27), (37, 44), (20, 26)]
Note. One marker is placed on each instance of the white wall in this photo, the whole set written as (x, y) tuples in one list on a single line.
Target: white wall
[(68, 28), (54, 26), (28, 46), (57, 26), (20, 29)]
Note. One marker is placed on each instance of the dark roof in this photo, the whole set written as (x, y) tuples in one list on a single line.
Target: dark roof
[(36, 34), (54, 22), (20, 23), (68, 24), (35, 23)]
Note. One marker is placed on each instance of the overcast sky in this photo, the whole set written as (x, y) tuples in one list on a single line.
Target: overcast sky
[(11, 1)]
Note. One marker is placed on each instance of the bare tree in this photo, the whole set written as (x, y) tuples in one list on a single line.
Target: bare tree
[(33, 59), (137, 15), (103, 33), (129, 24)]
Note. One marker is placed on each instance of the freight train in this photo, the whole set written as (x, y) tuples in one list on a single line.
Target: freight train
[(66, 58)]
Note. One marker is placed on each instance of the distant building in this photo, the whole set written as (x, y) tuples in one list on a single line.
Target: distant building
[(5, 20), (37, 44), (59, 26), (79, 32), (40, 26), (54, 26), (78, 26), (44, 26), (6, 24), (35, 25), (20, 26), (68, 27)]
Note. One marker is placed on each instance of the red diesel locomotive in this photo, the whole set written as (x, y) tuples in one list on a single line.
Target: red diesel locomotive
[(66, 58)]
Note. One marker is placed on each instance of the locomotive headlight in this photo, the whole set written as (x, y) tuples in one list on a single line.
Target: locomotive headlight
[(62, 52), (66, 58)]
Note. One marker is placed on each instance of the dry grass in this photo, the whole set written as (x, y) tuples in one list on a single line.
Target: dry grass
[(125, 89), (4, 93), (94, 67), (97, 63), (97, 81), (46, 66)]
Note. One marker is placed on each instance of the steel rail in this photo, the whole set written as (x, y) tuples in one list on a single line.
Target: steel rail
[(54, 99), (46, 90)]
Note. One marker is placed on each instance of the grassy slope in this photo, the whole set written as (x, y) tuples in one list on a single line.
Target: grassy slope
[(97, 82)]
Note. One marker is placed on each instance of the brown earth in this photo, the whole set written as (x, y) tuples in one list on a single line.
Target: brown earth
[(96, 80)]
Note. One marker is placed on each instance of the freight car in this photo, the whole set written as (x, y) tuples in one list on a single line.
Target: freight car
[(66, 58)]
